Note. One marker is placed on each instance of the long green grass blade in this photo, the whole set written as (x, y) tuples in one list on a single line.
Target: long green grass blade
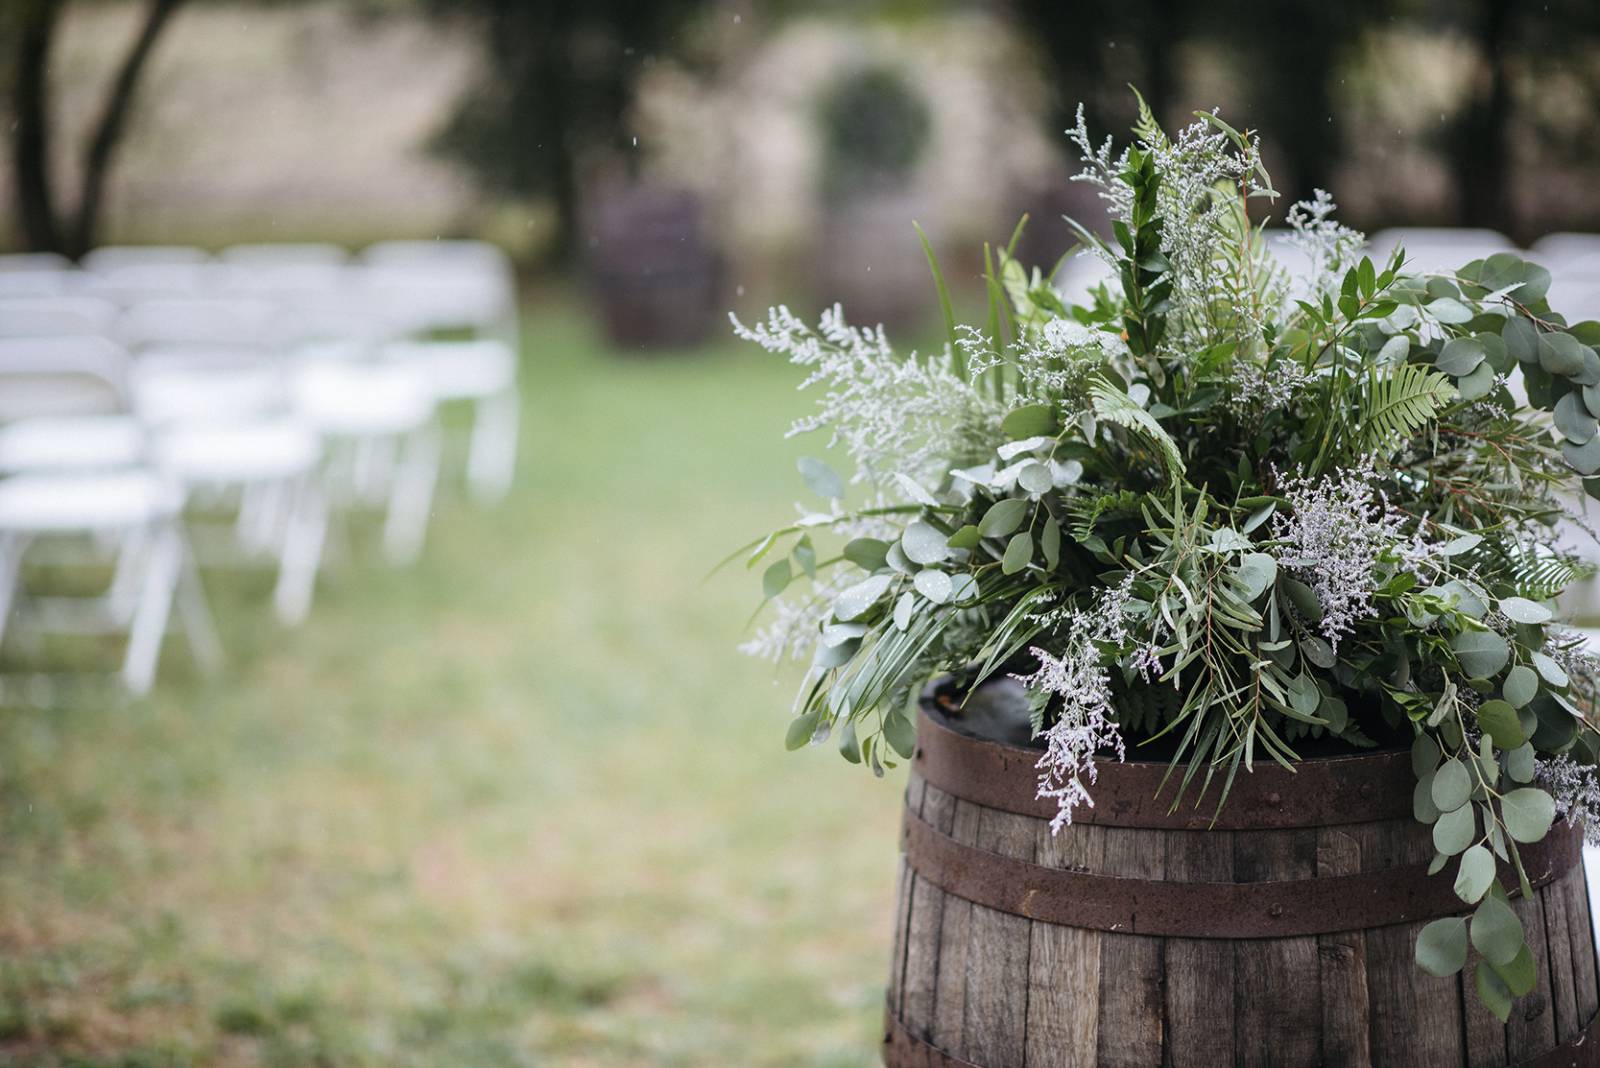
[(945, 307)]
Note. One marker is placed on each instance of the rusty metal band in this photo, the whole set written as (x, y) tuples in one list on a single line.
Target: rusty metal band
[(1356, 789), (902, 1049), (1280, 909), (1581, 1052)]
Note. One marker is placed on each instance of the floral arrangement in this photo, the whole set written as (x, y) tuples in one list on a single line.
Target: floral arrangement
[(1221, 512)]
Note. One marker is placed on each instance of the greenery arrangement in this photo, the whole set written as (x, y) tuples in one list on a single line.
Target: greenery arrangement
[(1222, 512)]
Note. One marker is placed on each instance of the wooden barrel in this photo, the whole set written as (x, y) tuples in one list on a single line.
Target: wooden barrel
[(1281, 935)]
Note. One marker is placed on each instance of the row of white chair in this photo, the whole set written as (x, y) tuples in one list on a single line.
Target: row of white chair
[(117, 419)]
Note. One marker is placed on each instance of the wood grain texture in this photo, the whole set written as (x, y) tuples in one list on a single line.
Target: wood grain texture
[(1342, 965), (1132, 967), (995, 1030), (1586, 966), (1277, 986), (902, 914), (1558, 949), (950, 988), (923, 929), (1064, 962), (1200, 1028)]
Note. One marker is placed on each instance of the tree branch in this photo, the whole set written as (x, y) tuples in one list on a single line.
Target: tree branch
[(30, 135)]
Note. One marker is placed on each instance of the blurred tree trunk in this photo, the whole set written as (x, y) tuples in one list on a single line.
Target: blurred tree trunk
[(113, 122), (1480, 150), (38, 209), (34, 25)]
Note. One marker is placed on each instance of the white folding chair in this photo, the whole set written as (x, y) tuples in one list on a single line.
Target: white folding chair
[(74, 459), (221, 426), (34, 262), (140, 282), (43, 283), (378, 421), (108, 258), (1438, 248), (234, 321), (284, 254), (1565, 246), (423, 288), (53, 316)]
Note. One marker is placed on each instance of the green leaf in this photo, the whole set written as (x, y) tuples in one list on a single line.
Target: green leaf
[(1521, 685), (935, 586), (1030, 421), (822, 479), (801, 729), (1424, 755), (1496, 932), (1527, 813), (1454, 831), (1422, 806), (1477, 384), (1522, 610), (1475, 874), (1492, 991), (1018, 552), (1499, 721), (1398, 401), (868, 554), (923, 544), (1521, 975), (945, 307), (900, 732), (1521, 339), (1448, 310), (1561, 354), (1050, 543), (904, 609), (1442, 947), (1255, 573), (849, 746), (805, 554), (966, 538), (1520, 763), (1481, 653), (1452, 785), (1572, 418), (775, 579), (1550, 671), (1003, 517), (857, 600), (1114, 406), (1460, 356)]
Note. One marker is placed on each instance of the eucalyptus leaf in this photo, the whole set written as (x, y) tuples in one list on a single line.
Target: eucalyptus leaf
[(1499, 721), (868, 554), (1019, 550), (1452, 785), (1460, 356), (1481, 653), (1029, 421), (1527, 813), (1550, 671), (934, 585), (1003, 517), (1474, 874), (1522, 610), (1442, 947), (1492, 991), (923, 544), (1495, 930), (822, 479), (775, 579), (1050, 544), (857, 600), (1454, 831), (1521, 685)]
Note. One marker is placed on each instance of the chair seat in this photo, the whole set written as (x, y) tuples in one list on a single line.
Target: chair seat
[(68, 503), (460, 370), (250, 452), (71, 443), (363, 399)]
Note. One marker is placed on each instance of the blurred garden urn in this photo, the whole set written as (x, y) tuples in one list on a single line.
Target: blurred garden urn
[(653, 272)]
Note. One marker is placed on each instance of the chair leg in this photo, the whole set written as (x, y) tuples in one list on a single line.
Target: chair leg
[(11, 549), (411, 495), (493, 453), (152, 611), (194, 611), (301, 557)]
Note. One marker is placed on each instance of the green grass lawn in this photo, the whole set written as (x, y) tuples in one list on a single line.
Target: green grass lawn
[(521, 804)]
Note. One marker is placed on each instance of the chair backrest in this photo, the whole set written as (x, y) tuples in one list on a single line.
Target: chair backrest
[(67, 375), (200, 321), (194, 383), (137, 283), (34, 261), (1555, 248), (116, 257), (283, 281), (285, 254), (26, 283), (1438, 248), (420, 298), (47, 316)]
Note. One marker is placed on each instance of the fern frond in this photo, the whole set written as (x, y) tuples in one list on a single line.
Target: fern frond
[(1400, 400), (1146, 128), (1539, 578), (1114, 406)]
